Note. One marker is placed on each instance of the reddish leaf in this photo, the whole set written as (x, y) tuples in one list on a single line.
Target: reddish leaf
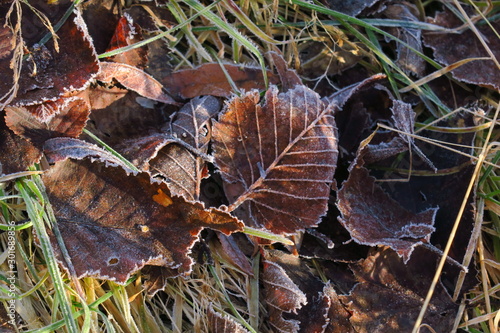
[(288, 77), (391, 293), (228, 249), (134, 79), (127, 33), (218, 323), (114, 224), (450, 48), (69, 116), (17, 154), (211, 80), (277, 159), (47, 74)]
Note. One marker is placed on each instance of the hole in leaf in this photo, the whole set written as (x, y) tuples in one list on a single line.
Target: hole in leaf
[(113, 261)]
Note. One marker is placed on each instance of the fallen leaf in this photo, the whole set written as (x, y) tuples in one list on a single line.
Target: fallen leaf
[(373, 218), (277, 158), (68, 118), (8, 85), (220, 323), (352, 7), (452, 47), (288, 77), (183, 168), (47, 73), (128, 32), (390, 293), (17, 153), (211, 80), (114, 227), (282, 296), (134, 79)]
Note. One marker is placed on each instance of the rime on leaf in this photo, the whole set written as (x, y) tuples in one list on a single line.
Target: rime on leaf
[(114, 224), (218, 323), (288, 77), (390, 293), (134, 79), (282, 296), (183, 169), (277, 158), (352, 7), (47, 74), (127, 33), (17, 154), (209, 79), (69, 117), (450, 48), (373, 218)]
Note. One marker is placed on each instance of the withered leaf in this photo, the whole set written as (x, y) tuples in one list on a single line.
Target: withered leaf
[(288, 77), (59, 149), (183, 169), (282, 296), (134, 79), (211, 80), (113, 224), (17, 153), (128, 32), (351, 7), (47, 74), (390, 293), (218, 323), (7, 45), (373, 218), (450, 48), (277, 158), (68, 118)]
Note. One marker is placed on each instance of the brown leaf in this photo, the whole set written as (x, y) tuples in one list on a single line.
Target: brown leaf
[(407, 59), (7, 46), (338, 316), (17, 154), (134, 79), (282, 296), (391, 293), (128, 32), (219, 323), (114, 224), (69, 117), (277, 158), (183, 168), (47, 74), (450, 48), (373, 218), (209, 79), (288, 77)]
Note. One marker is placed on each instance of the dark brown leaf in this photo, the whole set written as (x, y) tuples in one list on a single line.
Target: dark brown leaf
[(338, 316), (47, 74), (390, 293), (450, 48), (114, 224), (134, 79), (373, 218), (282, 296), (68, 118), (218, 323), (288, 77), (209, 79), (277, 158), (16, 153), (183, 169), (7, 46)]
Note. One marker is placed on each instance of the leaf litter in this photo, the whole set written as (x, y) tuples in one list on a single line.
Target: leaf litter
[(207, 164)]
